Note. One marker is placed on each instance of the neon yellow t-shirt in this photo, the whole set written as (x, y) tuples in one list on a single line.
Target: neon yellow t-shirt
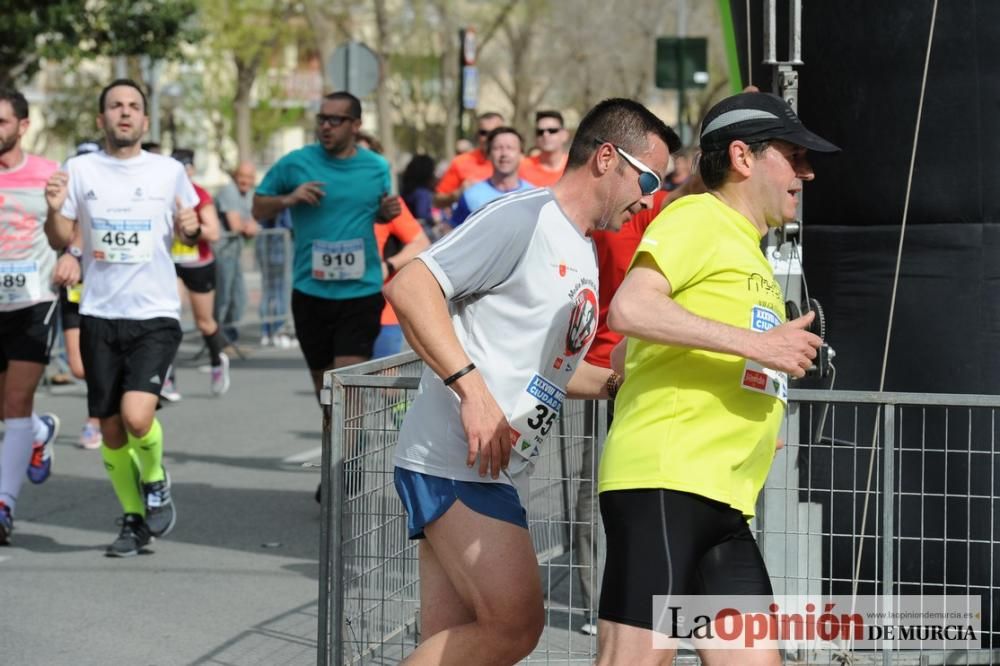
[(691, 420)]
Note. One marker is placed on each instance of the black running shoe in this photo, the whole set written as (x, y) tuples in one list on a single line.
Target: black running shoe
[(161, 514), (133, 537), (6, 524)]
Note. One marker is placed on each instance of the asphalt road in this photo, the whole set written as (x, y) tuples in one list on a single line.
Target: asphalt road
[(234, 583)]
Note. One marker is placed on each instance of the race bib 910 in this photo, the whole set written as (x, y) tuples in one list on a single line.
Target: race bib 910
[(338, 260)]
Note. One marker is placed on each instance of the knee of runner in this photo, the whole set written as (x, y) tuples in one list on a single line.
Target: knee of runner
[(519, 635)]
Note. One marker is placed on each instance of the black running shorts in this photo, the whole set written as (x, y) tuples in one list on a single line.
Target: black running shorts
[(663, 542), (68, 310), (327, 328), (123, 355), (198, 279), (26, 334)]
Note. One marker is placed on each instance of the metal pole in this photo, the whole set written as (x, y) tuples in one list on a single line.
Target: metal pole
[(325, 541), (770, 36), (888, 506)]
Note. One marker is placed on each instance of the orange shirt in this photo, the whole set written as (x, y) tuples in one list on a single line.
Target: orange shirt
[(533, 171), (405, 228), (472, 166), (615, 250)]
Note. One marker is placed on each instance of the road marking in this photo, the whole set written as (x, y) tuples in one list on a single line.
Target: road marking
[(305, 456)]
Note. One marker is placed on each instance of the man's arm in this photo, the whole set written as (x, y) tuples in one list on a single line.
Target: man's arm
[(642, 308), (268, 207), (589, 382), (423, 315), (418, 244), (58, 228)]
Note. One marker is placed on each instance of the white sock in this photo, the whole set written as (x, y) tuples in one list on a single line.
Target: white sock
[(40, 429), (15, 454)]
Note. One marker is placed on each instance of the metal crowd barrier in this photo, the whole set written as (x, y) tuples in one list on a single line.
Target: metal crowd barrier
[(934, 533)]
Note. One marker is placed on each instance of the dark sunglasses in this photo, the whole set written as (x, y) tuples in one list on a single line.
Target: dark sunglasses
[(649, 182), (483, 132), (333, 120), (547, 130)]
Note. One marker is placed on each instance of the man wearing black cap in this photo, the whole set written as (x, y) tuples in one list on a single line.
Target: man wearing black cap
[(698, 415)]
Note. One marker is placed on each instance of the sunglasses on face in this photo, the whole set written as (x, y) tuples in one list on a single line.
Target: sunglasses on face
[(333, 120), (649, 182), (547, 130)]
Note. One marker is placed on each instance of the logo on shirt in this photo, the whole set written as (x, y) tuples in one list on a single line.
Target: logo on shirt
[(90, 196), (558, 363), (562, 268), (582, 321)]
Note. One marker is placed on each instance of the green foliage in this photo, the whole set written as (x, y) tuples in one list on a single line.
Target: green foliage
[(36, 28), (155, 28)]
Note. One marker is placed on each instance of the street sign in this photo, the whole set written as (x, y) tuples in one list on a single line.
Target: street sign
[(353, 67)]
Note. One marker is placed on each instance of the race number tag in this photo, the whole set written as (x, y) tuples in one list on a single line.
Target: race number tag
[(756, 377), (338, 260), (184, 254), (19, 282), (122, 241), (534, 415)]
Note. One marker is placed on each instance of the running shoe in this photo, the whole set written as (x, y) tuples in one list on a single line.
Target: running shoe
[(90, 436), (133, 537), (42, 452), (6, 524), (265, 341), (161, 515), (220, 375), (169, 391), (589, 629), (283, 341)]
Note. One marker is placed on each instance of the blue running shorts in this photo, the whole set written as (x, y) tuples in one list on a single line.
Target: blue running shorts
[(427, 497)]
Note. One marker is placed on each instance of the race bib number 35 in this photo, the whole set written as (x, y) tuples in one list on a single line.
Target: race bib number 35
[(338, 260), (534, 415), (756, 377), (19, 282), (122, 241)]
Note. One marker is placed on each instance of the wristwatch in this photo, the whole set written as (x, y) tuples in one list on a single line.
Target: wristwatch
[(75, 252)]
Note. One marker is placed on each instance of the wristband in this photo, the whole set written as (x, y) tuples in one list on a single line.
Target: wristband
[(458, 375), (196, 234), (613, 383)]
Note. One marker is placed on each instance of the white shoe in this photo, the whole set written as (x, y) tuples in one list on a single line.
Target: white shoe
[(282, 340), (220, 376), (589, 629), (169, 391), (265, 341)]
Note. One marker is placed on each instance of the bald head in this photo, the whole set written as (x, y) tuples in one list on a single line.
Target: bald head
[(245, 176)]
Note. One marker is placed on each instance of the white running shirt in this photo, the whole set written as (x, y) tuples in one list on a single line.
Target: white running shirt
[(125, 209), (521, 281)]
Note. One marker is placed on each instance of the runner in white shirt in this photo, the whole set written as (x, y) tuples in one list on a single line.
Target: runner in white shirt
[(29, 278), (129, 205), (504, 310)]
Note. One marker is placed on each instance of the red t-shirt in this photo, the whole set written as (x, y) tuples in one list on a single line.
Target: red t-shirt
[(405, 227), (473, 165), (531, 170), (204, 247), (614, 254)]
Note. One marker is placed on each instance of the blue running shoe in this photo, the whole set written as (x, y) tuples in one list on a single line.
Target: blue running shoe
[(42, 452), (6, 524)]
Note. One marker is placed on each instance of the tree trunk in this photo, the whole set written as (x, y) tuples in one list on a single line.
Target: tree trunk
[(383, 107), (245, 75)]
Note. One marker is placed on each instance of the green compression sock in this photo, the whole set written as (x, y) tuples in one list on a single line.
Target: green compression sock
[(149, 450), (124, 474)]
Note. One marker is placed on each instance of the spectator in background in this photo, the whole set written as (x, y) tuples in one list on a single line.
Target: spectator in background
[(681, 172), (417, 189), (469, 167), (273, 256), (504, 146), (545, 167), (234, 202)]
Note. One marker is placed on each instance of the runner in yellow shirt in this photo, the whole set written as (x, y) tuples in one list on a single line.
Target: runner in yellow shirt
[(709, 352)]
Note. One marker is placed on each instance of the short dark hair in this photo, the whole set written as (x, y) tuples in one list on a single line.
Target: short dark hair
[(183, 155), (494, 133), (121, 82), (16, 101), (344, 96), (623, 122), (550, 114), (488, 115), (714, 165), (418, 173)]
